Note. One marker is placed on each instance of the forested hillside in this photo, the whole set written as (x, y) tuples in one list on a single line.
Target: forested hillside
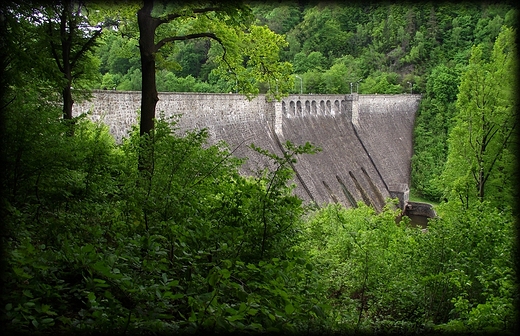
[(384, 47), (364, 47), (161, 234)]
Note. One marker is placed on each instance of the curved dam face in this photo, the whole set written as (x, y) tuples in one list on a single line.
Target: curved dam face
[(366, 140)]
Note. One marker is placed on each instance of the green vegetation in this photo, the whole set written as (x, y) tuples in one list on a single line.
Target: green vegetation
[(93, 243), (414, 198), (379, 48), (481, 157)]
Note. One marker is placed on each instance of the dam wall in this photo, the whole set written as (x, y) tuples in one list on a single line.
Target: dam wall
[(385, 124), (366, 140)]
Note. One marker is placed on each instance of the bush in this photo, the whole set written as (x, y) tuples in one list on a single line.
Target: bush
[(188, 245), (387, 277)]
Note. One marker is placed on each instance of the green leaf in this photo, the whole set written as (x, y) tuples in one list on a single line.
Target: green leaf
[(173, 283), (177, 296), (242, 295), (108, 295), (225, 273), (212, 279), (289, 309), (169, 295), (252, 267), (87, 248), (255, 326), (9, 306), (105, 271), (193, 317), (234, 318), (231, 311), (44, 308), (227, 263), (319, 312), (21, 273), (101, 283), (52, 313), (282, 293)]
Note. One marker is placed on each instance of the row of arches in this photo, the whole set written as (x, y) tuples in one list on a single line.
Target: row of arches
[(312, 107)]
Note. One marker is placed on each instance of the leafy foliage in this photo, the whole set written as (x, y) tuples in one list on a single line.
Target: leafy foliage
[(475, 273), (405, 40), (92, 244), (434, 122), (383, 277), (482, 141)]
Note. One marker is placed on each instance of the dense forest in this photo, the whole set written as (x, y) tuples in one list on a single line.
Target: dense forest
[(160, 233)]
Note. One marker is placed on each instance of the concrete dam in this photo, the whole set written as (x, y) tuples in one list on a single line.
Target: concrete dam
[(366, 140)]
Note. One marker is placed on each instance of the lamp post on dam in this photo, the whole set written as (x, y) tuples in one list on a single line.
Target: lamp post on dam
[(301, 83), (357, 86)]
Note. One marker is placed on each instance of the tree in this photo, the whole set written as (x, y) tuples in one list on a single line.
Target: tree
[(481, 154), (321, 31), (280, 18), (71, 39), (381, 82), (118, 55), (433, 123), (338, 78), (249, 52), (314, 61)]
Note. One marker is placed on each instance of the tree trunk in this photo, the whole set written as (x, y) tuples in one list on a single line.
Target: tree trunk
[(67, 102), (147, 25), (66, 47), (67, 108), (481, 184)]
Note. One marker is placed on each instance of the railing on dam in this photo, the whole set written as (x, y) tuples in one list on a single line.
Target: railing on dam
[(298, 106)]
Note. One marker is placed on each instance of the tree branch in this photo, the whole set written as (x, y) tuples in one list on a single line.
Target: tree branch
[(171, 17), (503, 146), (85, 47), (76, 75), (53, 50), (186, 37), (194, 36)]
